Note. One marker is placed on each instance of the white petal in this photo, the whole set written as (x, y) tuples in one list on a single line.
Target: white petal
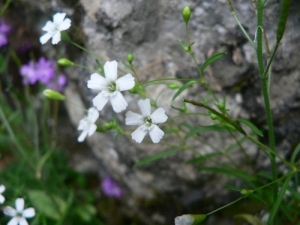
[(133, 118), (111, 70), (156, 134), (45, 38), (118, 102), (13, 221), (28, 213), (93, 115), (92, 129), (2, 199), (58, 18), (97, 82), (49, 27), (145, 106), (125, 83), (23, 221), (9, 211), (19, 204), (56, 38), (2, 188), (159, 116), (82, 136), (100, 100), (65, 25), (82, 124), (139, 134)]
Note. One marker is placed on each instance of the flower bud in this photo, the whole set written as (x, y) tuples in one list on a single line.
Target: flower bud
[(221, 106), (65, 62), (190, 219), (54, 95), (213, 116), (130, 58), (173, 86), (186, 14)]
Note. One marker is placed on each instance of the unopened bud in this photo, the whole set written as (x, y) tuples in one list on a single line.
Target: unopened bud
[(54, 95), (190, 219), (186, 14), (221, 106), (130, 58), (65, 62), (174, 86), (213, 116)]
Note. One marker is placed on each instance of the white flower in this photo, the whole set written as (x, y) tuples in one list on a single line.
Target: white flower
[(146, 121), (54, 28), (2, 189), (87, 124), (110, 87), (184, 220), (19, 214)]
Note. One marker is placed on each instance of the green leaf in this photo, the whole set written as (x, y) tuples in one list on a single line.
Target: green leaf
[(233, 188), (228, 171), (295, 153), (203, 157), (211, 59), (86, 212), (282, 19), (183, 46), (188, 84), (158, 156), (253, 220), (53, 207), (205, 129), (251, 126), (256, 198)]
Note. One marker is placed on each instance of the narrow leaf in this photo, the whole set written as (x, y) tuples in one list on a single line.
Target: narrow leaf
[(282, 19), (188, 84), (233, 188), (228, 171), (158, 156), (295, 153), (205, 129), (203, 157), (253, 220), (251, 126), (212, 59)]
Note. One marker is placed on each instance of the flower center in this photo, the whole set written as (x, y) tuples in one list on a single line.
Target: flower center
[(148, 121), (112, 87)]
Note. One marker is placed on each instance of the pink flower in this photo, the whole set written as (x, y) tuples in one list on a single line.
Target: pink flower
[(111, 188), (4, 30)]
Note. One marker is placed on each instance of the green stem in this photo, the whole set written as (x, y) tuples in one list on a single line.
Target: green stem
[(260, 8), (225, 206)]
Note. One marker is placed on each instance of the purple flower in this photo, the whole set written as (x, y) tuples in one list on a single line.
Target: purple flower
[(111, 188), (58, 84), (45, 70), (29, 74), (4, 30)]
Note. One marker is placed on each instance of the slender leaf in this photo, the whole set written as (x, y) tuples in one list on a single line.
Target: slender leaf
[(233, 188), (251, 126), (212, 59), (282, 19), (235, 145), (188, 84), (203, 157), (158, 156), (253, 220), (205, 129), (256, 198), (295, 153), (228, 171)]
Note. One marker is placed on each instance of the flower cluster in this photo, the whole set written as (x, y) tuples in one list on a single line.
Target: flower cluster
[(109, 88), (4, 31), (18, 214), (44, 72)]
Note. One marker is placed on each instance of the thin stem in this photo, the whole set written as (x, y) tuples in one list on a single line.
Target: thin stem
[(225, 206), (86, 50)]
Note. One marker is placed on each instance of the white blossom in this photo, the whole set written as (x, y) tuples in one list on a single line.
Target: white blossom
[(146, 121), (2, 189), (87, 124), (19, 214), (110, 87), (54, 28), (184, 220)]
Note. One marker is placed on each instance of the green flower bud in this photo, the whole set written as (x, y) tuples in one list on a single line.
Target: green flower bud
[(65, 62), (54, 95), (213, 116), (130, 58), (109, 125), (246, 192), (186, 14), (174, 86), (221, 105)]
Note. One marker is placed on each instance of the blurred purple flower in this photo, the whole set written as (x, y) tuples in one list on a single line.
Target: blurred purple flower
[(58, 84), (111, 188), (28, 71), (45, 70), (4, 30)]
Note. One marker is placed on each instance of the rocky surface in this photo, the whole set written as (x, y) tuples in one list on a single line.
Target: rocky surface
[(149, 30)]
